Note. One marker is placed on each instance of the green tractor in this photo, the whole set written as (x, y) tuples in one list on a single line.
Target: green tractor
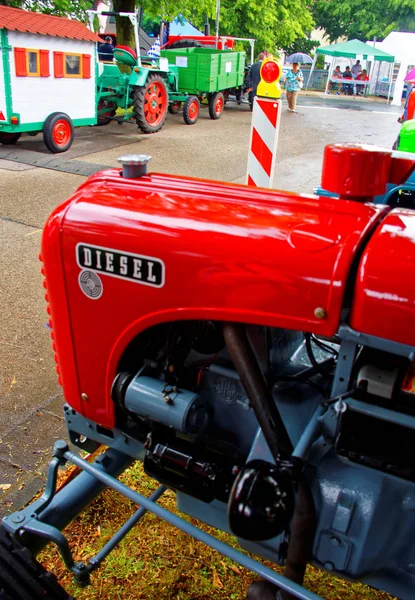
[(145, 87), (154, 85), (141, 83)]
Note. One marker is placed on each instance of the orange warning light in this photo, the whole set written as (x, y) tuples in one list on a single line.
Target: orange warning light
[(269, 86), (270, 71)]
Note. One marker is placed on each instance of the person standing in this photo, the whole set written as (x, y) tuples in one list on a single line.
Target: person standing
[(294, 81), (356, 69), (409, 109), (106, 51), (254, 77)]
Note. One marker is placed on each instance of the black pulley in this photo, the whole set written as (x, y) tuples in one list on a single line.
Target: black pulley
[(261, 503)]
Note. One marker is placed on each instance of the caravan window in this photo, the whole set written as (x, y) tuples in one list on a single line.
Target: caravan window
[(33, 67), (31, 62), (73, 65)]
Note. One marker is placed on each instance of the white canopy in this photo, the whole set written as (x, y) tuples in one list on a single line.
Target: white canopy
[(402, 45)]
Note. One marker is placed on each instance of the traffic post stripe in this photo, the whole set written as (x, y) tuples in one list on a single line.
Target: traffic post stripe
[(261, 151), (269, 110), (263, 141), (264, 125), (257, 175)]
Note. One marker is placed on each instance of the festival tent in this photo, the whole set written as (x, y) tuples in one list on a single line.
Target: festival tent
[(402, 45), (351, 49), (180, 26), (355, 49)]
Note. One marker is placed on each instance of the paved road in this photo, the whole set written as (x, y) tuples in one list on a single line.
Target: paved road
[(332, 102), (30, 398)]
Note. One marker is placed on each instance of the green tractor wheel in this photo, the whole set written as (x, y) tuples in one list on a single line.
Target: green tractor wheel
[(150, 104)]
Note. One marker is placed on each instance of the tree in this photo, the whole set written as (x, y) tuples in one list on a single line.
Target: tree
[(158, 9), (364, 19), (274, 23), (303, 44), (59, 8), (125, 31)]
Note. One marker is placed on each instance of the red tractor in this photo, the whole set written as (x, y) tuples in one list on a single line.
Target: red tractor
[(256, 350)]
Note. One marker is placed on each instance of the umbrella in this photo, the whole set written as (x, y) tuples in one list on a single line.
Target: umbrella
[(299, 57), (411, 75)]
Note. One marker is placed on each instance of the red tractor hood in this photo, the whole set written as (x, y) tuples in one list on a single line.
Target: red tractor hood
[(126, 254), (384, 298)]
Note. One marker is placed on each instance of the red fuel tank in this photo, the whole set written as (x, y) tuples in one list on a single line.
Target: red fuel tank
[(384, 298), (123, 255)]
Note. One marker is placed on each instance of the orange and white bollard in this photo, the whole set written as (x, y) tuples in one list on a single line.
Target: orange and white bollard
[(265, 124)]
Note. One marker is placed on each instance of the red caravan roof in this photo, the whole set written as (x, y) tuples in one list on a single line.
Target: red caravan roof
[(15, 19)]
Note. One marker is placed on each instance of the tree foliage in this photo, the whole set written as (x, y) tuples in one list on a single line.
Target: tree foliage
[(159, 9), (364, 19), (169, 9), (274, 23), (302, 44), (59, 8)]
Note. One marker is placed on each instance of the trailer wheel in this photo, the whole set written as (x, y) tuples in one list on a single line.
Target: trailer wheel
[(58, 132), (22, 577), (9, 138), (150, 104), (216, 103), (174, 107), (191, 110)]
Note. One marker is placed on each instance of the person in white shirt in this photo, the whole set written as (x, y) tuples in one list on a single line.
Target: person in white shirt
[(356, 69)]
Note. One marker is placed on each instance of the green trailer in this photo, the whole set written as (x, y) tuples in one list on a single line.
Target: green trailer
[(204, 73)]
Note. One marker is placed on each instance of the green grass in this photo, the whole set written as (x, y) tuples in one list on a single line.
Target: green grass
[(157, 561)]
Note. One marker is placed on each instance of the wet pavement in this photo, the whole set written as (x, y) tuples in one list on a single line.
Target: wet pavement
[(33, 182)]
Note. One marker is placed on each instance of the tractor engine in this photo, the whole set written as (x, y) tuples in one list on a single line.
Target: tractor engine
[(255, 349)]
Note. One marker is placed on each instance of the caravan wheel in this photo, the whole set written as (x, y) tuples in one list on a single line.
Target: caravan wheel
[(58, 132), (9, 138)]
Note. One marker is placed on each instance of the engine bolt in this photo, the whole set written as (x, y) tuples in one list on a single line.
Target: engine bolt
[(329, 566), (320, 313), (18, 518), (59, 448), (84, 397), (334, 541)]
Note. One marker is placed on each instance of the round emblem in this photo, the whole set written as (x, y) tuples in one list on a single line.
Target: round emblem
[(90, 284), (228, 391)]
